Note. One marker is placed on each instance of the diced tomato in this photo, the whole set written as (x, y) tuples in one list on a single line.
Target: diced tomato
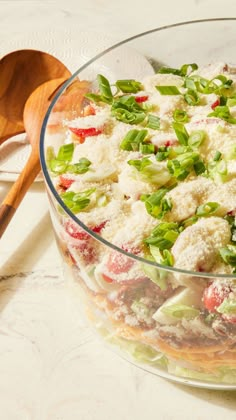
[(78, 233), (107, 278), (118, 263), (215, 104), (65, 182), (214, 295), (85, 132), (74, 231), (140, 99)]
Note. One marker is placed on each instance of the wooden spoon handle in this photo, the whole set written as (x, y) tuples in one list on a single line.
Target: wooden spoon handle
[(17, 191)]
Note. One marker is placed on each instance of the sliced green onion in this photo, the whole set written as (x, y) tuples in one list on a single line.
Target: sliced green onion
[(132, 140), (129, 86), (180, 115), (146, 149), (228, 306), (163, 236), (199, 167), (77, 201), (228, 254), (230, 102), (168, 90), (196, 138), (65, 152), (105, 88), (58, 166), (207, 209), (181, 133), (153, 122), (79, 168), (180, 311), (191, 97), (127, 110), (163, 153), (153, 203), (217, 156), (223, 112), (183, 71)]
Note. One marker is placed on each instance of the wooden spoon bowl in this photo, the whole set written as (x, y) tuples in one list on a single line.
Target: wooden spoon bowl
[(21, 72), (34, 113)]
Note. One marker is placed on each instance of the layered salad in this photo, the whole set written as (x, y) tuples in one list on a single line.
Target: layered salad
[(149, 166)]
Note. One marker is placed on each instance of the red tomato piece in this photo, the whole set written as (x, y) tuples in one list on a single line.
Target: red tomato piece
[(85, 132), (140, 99), (214, 295), (215, 104), (118, 263), (78, 233), (107, 278), (65, 182)]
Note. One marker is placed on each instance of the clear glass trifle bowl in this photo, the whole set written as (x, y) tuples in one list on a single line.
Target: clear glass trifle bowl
[(138, 154)]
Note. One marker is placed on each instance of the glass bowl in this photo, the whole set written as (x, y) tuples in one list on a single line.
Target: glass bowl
[(151, 314)]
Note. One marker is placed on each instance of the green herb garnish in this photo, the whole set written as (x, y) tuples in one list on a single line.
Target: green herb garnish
[(129, 86)]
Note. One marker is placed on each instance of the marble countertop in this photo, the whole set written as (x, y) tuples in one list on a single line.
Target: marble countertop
[(51, 366)]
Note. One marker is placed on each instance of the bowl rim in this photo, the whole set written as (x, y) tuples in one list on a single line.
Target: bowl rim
[(49, 182)]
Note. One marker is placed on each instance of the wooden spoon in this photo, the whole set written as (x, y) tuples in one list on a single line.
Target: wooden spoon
[(34, 113), (21, 72)]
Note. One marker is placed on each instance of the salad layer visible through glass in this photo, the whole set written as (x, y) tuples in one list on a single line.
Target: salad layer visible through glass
[(148, 166)]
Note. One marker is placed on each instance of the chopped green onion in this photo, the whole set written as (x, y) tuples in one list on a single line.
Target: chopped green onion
[(154, 203), (77, 201), (183, 71), (180, 311), (153, 122), (105, 88), (163, 236), (190, 221), (163, 153), (127, 110), (58, 166), (228, 306), (196, 138), (230, 101), (181, 133), (180, 115), (168, 90), (199, 167), (79, 168), (191, 97), (228, 254), (217, 156), (133, 139), (65, 152), (207, 209), (129, 86), (223, 112), (146, 149)]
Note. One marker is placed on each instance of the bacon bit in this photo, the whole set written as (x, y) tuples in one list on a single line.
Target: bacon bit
[(89, 110), (140, 99), (215, 104), (82, 133), (64, 182)]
